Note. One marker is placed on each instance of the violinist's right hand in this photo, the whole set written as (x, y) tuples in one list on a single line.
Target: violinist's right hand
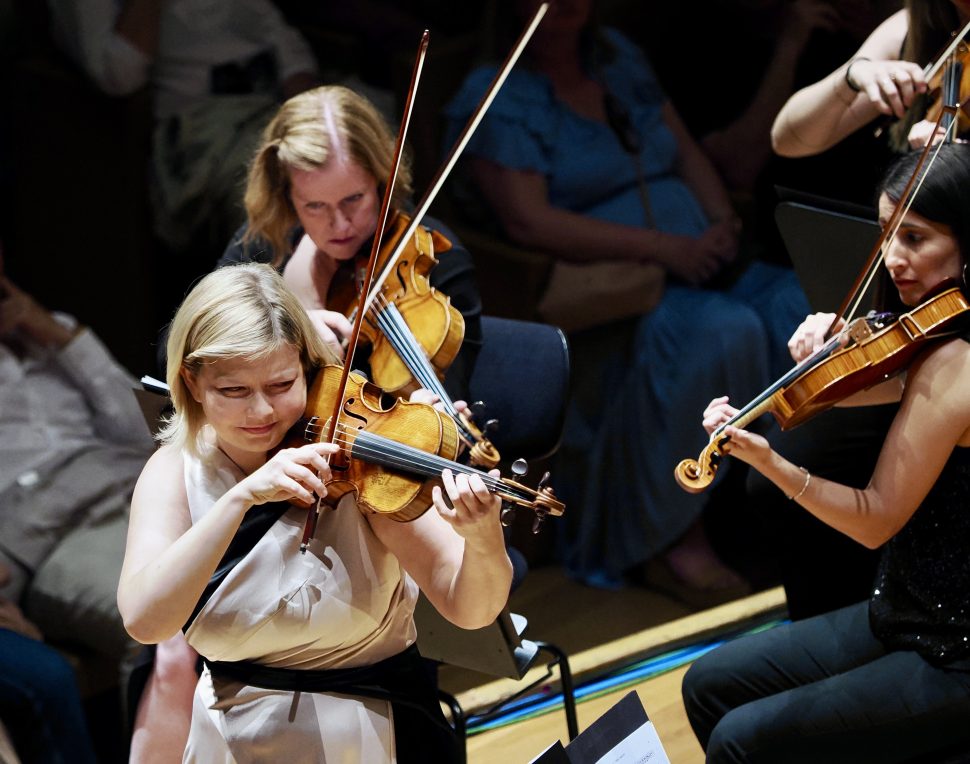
[(810, 335), (890, 86), (292, 473), (717, 413), (334, 328)]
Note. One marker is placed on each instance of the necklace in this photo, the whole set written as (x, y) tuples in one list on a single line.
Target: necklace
[(234, 462)]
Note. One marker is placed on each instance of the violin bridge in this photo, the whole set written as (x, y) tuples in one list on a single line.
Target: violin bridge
[(859, 330)]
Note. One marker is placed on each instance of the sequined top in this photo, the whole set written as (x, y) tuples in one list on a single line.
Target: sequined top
[(921, 599)]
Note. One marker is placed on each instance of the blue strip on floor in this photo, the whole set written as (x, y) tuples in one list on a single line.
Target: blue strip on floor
[(540, 703)]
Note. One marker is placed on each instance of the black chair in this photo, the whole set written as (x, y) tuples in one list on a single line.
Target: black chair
[(522, 375)]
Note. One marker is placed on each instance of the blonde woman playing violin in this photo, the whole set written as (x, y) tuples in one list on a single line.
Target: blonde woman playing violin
[(290, 640), (884, 680)]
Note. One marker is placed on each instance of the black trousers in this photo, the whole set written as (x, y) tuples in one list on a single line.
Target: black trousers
[(824, 690)]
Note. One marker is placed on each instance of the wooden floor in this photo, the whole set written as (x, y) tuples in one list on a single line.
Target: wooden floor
[(661, 700), (600, 631)]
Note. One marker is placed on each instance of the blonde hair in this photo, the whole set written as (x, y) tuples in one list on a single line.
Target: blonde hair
[(240, 311), (307, 131)]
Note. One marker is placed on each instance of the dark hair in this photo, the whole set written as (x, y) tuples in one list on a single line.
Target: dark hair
[(944, 194), (943, 197)]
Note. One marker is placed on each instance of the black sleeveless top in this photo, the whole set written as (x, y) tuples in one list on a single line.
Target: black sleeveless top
[(921, 598)]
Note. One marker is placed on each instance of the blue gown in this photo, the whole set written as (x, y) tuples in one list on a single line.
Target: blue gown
[(639, 386)]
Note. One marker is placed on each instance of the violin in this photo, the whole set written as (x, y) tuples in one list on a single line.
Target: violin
[(866, 352), (408, 313), (393, 456), (343, 398), (413, 329)]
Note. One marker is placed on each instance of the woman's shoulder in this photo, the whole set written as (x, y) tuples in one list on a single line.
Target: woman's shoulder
[(628, 71), (941, 375), (163, 473), (166, 457)]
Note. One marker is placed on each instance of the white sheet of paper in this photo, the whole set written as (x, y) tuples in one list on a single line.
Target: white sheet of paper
[(639, 747)]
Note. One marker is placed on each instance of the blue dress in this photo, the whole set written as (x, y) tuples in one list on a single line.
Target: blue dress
[(640, 386)]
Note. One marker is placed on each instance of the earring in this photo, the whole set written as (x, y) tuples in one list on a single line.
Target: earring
[(965, 287)]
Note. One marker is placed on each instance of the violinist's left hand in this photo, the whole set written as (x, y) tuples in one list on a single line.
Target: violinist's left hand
[(922, 133), (747, 446), (475, 510), (717, 413), (422, 395)]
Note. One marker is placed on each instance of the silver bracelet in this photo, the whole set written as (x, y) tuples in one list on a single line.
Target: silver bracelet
[(808, 479)]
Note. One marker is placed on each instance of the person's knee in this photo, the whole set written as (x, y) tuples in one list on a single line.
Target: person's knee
[(729, 742), (701, 694)]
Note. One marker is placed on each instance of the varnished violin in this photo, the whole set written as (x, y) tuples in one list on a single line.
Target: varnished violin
[(342, 426), (408, 305), (866, 352), (393, 456), (413, 329)]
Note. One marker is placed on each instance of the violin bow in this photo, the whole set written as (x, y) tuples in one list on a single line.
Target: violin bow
[(466, 135), (311, 522), (930, 71), (850, 305)]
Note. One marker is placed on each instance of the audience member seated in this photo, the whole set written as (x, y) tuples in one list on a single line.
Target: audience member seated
[(582, 156), (771, 47), (883, 680), (40, 706), (74, 441), (312, 202), (218, 70)]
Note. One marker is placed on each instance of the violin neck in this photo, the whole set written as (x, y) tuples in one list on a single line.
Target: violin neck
[(377, 449), (762, 403)]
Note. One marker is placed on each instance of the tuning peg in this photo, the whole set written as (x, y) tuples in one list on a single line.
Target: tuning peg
[(476, 410), (507, 515), (520, 467), (491, 427), (545, 480), (537, 522)]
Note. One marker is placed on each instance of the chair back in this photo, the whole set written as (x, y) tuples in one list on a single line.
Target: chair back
[(522, 375)]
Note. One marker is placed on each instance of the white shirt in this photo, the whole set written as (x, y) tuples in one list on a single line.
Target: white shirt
[(194, 36), (54, 403)]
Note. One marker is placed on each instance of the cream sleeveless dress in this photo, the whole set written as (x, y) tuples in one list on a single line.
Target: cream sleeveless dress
[(345, 603)]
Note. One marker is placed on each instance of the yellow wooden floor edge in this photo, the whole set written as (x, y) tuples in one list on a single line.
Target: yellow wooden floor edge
[(694, 627)]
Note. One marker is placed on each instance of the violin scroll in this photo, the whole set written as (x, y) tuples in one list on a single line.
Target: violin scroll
[(695, 475)]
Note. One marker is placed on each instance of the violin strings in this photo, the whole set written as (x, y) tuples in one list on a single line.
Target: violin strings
[(403, 341), (388, 452), (742, 417)]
